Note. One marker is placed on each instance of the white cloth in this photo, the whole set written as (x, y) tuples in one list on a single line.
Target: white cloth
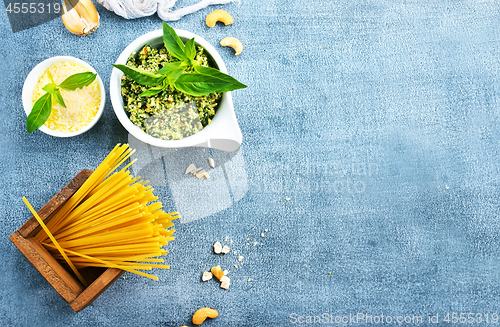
[(165, 12), (131, 9)]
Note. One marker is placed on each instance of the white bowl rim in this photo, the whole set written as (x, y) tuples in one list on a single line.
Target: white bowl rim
[(32, 80), (225, 114)]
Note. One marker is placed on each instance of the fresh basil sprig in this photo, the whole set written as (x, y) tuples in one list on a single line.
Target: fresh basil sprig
[(173, 43), (43, 106), (196, 81), (77, 81), (40, 112), (141, 76)]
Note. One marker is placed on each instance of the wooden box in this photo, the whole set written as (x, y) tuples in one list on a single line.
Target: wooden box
[(63, 280)]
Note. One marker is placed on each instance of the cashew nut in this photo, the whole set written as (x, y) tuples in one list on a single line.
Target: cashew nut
[(218, 16), (233, 43), (217, 272), (217, 247), (202, 314)]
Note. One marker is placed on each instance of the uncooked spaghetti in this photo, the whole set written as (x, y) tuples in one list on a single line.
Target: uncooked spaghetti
[(113, 220)]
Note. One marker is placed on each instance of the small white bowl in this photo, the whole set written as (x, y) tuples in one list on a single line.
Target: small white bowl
[(223, 133), (32, 80)]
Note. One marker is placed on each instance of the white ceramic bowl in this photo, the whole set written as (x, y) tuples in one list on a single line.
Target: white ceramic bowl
[(223, 133), (32, 80)]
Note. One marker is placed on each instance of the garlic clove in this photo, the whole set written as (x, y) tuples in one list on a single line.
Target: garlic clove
[(80, 16)]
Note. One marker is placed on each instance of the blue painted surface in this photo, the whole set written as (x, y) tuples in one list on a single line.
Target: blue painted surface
[(378, 120)]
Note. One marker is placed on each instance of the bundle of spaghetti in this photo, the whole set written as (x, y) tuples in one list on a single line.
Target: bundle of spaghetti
[(114, 220)]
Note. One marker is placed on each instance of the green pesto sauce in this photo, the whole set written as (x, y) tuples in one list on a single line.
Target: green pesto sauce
[(171, 116)]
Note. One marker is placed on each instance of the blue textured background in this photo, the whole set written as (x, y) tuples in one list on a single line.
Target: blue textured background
[(379, 120)]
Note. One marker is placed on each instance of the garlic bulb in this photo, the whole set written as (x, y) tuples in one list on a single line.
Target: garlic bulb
[(80, 16)]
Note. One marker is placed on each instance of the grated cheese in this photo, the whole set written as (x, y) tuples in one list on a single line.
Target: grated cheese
[(81, 104)]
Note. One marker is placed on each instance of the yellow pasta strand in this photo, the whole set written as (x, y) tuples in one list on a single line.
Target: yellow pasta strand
[(40, 221), (111, 265)]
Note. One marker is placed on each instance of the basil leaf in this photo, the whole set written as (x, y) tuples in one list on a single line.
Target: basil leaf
[(154, 90), (190, 49), (39, 113), (141, 76), (171, 66), (173, 43), (199, 84), (77, 81), (51, 78), (58, 97), (206, 80), (50, 88), (173, 70), (208, 71), (173, 75)]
